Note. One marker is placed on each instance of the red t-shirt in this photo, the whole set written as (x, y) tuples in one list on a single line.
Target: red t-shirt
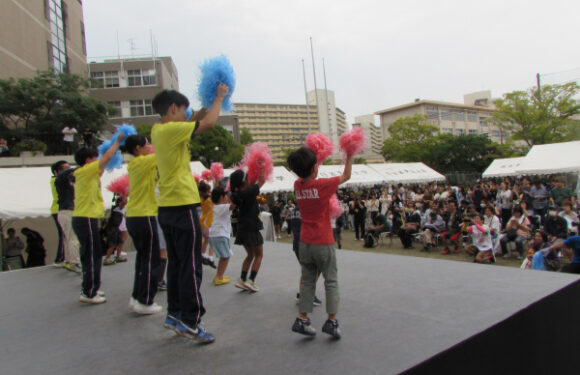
[(313, 201)]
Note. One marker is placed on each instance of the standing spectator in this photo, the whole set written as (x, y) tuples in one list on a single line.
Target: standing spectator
[(13, 250), (55, 168), (359, 210), (34, 248), (539, 195), (88, 136), (505, 203), (559, 192), (4, 150), (277, 217), (373, 205), (351, 202), (65, 187), (69, 138)]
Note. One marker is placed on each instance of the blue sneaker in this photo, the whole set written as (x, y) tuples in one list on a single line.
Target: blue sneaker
[(171, 322), (198, 333)]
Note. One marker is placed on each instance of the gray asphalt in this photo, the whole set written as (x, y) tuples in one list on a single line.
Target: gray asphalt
[(395, 312)]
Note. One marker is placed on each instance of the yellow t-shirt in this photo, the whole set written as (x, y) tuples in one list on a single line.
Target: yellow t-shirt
[(54, 205), (177, 186), (88, 198), (142, 181), (206, 218)]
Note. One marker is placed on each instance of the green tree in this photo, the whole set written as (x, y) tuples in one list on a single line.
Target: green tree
[(144, 129), (359, 160), (39, 107), (540, 116), (465, 153), (411, 137), (246, 137), (216, 145)]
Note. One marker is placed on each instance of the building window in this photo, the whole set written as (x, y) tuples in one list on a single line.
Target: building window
[(459, 131), (495, 134), (483, 121), (57, 53), (117, 106), (138, 77), (471, 116), (446, 114), (98, 80), (111, 79), (472, 131), (459, 115), (432, 112), (141, 107), (447, 131)]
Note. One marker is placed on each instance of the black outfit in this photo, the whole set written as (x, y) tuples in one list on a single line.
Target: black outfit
[(64, 183), (180, 225), (87, 231), (114, 236), (360, 212), (249, 223), (143, 232), (35, 249), (406, 235), (59, 258), (277, 215)]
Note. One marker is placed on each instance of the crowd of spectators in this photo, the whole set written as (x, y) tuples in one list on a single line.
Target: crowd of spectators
[(524, 218)]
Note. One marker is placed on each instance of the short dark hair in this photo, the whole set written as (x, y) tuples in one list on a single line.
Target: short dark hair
[(301, 161), (237, 179), (10, 230), (163, 100), (83, 153), (203, 187), (132, 142), (217, 193), (57, 167)]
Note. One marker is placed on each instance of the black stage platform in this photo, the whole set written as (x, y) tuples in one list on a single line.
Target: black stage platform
[(397, 314)]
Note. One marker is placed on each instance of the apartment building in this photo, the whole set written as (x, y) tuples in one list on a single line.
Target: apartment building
[(472, 117), (130, 83), (374, 136), (40, 35)]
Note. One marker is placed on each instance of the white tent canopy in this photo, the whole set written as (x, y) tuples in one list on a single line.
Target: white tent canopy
[(361, 174), (407, 173), (503, 167), (197, 167), (282, 180), (552, 158)]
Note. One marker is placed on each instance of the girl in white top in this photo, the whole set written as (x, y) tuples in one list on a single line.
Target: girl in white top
[(482, 245), (220, 232)]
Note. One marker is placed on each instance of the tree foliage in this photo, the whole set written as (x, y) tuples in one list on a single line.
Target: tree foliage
[(540, 116), (246, 137), (39, 107), (216, 145), (410, 139)]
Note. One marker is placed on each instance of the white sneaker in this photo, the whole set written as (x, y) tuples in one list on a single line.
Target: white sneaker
[(132, 302), (95, 300), (100, 293), (251, 286), (140, 308)]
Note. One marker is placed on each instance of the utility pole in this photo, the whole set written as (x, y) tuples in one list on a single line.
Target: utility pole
[(306, 96), (315, 87)]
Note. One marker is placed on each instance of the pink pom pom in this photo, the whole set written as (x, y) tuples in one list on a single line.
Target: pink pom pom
[(197, 177), (151, 150), (256, 158), (321, 144), (217, 171), (206, 175), (334, 207), (353, 142), (120, 185)]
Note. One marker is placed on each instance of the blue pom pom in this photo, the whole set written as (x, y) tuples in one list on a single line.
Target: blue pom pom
[(117, 160), (213, 72)]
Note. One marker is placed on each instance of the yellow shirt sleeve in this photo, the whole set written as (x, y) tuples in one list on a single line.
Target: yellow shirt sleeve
[(88, 197), (206, 218), (54, 205)]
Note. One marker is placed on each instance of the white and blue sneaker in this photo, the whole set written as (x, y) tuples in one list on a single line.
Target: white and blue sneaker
[(198, 333), (171, 321)]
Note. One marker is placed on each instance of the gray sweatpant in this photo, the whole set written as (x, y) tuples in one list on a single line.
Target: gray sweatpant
[(312, 259)]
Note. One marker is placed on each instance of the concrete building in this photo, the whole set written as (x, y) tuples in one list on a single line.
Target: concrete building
[(284, 126), (472, 117), (374, 136), (41, 35), (280, 126), (130, 84)]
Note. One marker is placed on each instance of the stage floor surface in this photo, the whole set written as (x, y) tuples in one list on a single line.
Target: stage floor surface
[(395, 312)]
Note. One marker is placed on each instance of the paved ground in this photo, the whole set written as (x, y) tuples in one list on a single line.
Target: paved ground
[(395, 312)]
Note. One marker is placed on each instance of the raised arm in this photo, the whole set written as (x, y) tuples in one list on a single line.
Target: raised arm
[(107, 156), (210, 118), (347, 170)]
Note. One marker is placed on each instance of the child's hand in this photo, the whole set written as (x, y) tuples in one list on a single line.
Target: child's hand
[(120, 137), (222, 90)]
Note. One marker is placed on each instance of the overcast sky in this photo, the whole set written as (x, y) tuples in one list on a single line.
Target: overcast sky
[(378, 54)]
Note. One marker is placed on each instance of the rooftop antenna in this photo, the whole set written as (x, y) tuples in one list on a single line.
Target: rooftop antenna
[(132, 43), (315, 87), (118, 47), (306, 96)]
